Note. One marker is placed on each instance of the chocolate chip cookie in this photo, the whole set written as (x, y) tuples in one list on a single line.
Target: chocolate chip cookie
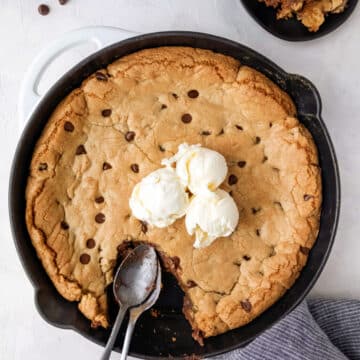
[(105, 136)]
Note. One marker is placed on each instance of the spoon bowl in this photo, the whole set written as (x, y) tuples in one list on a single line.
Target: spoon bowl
[(135, 278), (133, 283)]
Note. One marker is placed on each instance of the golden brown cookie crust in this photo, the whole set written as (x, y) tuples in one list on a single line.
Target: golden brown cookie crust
[(82, 175)]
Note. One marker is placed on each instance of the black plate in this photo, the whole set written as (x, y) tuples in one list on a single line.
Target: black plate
[(152, 338), (292, 29)]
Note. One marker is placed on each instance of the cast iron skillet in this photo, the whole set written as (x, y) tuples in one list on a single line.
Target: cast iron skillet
[(292, 29), (152, 338)]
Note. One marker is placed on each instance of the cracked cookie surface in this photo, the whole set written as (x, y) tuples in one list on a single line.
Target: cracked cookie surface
[(118, 126)]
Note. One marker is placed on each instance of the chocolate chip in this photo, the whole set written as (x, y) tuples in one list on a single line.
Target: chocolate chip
[(101, 76), (193, 94), (144, 227), (64, 225), (163, 106), (246, 305), (43, 9), (304, 250), (278, 203), (221, 132), (43, 166), (205, 133), (68, 126), (232, 179), (99, 199), (90, 243), (272, 252), (161, 148), (100, 218), (255, 210), (63, 2), (134, 168), (307, 197), (239, 127), (80, 150), (186, 118), (246, 257), (106, 166), (241, 164), (257, 140), (176, 262), (175, 96), (191, 284), (270, 124), (257, 232), (265, 158), (130, 136), (85, 258), (106, 112)]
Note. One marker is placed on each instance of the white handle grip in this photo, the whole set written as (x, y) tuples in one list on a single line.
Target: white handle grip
[(101, 36)]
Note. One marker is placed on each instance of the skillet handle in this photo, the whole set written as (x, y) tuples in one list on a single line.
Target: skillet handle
[(101, 36)]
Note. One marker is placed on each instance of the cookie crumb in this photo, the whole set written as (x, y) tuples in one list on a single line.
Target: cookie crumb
[(154, 313)]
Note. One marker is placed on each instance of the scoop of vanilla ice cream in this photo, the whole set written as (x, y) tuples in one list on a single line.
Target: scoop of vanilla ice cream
[(210, 215), (159, 198), (198, 168)]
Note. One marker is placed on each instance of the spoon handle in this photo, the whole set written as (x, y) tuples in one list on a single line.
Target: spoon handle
[(134, 315), (114, 333)]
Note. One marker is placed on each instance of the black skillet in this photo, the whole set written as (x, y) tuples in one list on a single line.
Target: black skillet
[(153, 336), (292, 29)]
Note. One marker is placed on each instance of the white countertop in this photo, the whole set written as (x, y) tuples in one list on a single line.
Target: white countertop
[(331, 62)]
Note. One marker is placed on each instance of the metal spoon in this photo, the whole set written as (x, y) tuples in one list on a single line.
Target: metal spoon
[(135, 313), (133, 283)]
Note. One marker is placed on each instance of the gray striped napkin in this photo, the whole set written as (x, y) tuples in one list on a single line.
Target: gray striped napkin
[(318, 329)]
